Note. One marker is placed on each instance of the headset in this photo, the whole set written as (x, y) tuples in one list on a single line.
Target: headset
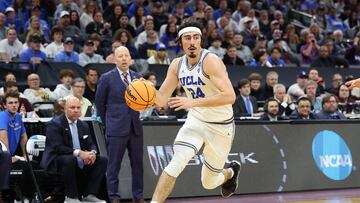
[(266, 105)]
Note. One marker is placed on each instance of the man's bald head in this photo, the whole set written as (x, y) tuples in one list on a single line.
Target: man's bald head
[(72, 108), (123, 58)]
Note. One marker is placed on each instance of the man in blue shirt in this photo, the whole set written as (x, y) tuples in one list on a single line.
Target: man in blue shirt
[(330, 109), (68, 54), (32, 55), (13, 136)]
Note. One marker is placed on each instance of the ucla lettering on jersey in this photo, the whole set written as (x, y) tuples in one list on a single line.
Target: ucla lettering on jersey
[(197, 84)]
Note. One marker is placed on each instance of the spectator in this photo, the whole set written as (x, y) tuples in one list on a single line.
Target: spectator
[(142, 37), (264, 23), (64, 89), (78, 90), (22, 14), (255, 82), (36, 28), (303, 110), (209, 13), (321, 17), (12, 20), (123, 23), (148, 49), (260, 59), (271, 111), (161, 56), (32, 55), (36, 94), (98, 26), (251, 41), (37, 11), (245, 105), (310, 91), (138, 19), (275, 60), (315, 30), (74, 18), (171, 19), (134, 5), (2, 26), (328, 61), (246, 32), (337, 80), (24, 104), (10, 47), (352, 54), (232, 24), (261, 44), (286, 106), (334, 22), (112, 11), (67, 6), (216, 48), (101, 44), (13, 135), (291, 38), (340, 44), (69, 30), (345, 99), (169, 39), (242, 9), (124, 37), (228, 37), (329, 109), (8, 77), (243, 51), (267, 90), (277, 39), (221, 10), (310, 50), (297, 90), (111, 57), (314, 76), (68, 54), (88, 55), (92, 77), (74, 157), (87, 16), (54, 47), (231, 58)]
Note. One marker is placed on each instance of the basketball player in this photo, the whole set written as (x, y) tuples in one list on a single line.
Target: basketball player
[(210, 96)]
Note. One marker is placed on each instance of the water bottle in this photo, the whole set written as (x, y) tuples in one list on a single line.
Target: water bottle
[(93, 112), (23, 111)]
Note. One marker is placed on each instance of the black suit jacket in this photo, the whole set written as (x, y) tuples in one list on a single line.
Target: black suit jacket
[(59, 141), (239, 106)]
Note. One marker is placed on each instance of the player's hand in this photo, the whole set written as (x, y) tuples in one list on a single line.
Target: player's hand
[(180, 103), (353, 83)]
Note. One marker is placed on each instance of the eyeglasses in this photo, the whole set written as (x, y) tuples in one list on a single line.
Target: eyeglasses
[(78, 86)]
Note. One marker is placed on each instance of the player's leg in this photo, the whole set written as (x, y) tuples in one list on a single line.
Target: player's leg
[(186, 145), (218, 143)]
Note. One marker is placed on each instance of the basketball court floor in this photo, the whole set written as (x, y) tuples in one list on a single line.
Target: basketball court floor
[(326, 196)]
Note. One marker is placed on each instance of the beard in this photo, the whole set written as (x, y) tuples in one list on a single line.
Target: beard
[(192, 55)]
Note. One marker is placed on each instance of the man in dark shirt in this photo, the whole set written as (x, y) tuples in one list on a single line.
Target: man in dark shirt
[(231, 58), (330, 111), (329, 61), (303, 110), (92, 77)]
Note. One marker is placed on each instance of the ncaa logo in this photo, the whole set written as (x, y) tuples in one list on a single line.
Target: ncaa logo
[(332, 155)]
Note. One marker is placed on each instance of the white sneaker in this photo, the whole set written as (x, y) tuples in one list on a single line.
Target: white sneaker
[(71, 200), (19, 201), (92, 198)]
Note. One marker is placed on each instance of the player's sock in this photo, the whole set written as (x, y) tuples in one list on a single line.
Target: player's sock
[(153, 202)]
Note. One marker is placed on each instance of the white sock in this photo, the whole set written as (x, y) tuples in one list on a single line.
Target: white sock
[(232, 173), (153, 202)]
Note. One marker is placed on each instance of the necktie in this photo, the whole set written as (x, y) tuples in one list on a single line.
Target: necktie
[(248, 106), (76, 143), (125, 74)]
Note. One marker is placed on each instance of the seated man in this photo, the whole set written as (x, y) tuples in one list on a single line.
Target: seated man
[(303, 110), (245, 105), (78, 90), (70, 150), (271, 110), (24, 104), (330, 109), (35, 93), (13, 135)]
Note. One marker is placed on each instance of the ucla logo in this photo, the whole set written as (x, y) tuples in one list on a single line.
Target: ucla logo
[(332, 155)]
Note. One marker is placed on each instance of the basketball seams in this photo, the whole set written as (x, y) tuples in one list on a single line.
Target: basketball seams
[(138, 93), (132, 101)]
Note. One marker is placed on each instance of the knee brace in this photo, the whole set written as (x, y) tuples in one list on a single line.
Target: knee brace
[(182, 155)]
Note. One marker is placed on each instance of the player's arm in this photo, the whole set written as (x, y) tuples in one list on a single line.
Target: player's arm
[(169, 84), (217, 73), (353, 83)]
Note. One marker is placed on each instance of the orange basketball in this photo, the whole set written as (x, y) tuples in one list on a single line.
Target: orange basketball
[(140, 95)]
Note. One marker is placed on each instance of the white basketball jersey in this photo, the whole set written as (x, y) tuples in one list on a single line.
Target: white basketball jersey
[(197, 84)]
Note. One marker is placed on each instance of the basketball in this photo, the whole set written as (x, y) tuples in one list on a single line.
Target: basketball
[(140, 95)]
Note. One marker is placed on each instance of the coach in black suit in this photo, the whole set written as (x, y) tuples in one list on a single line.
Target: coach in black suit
[(245, 105), (70, 150), (123, 128)]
